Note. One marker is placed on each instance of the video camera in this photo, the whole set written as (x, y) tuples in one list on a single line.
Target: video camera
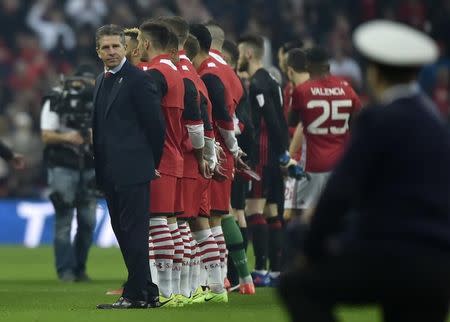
[(73, 102)]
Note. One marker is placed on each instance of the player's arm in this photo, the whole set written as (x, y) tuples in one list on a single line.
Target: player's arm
[(220, 113), (147, 93), (344, 186), (356, 108), (192, 118), (209, 151), (297, 139), (50, 125)]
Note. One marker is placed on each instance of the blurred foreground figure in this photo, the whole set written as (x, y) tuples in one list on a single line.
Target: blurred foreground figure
[(380, 233)]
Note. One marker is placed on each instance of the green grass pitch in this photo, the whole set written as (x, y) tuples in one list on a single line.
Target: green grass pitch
[(29, 292)]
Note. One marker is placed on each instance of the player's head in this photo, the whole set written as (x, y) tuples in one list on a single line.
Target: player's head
[(110, 45), (283, 50), (153, 38), (217, 35), (132, 45), (317, 62), (251, 50), (230, 53), (178, 26), (172, 47), (201, 38), (191, 47), (295, 64)]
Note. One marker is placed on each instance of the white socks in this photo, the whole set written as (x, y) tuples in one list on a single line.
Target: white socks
[(210, 257), (163, 249)]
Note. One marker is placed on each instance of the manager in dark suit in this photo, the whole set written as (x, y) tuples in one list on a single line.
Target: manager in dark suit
[(381, 231), (128, 135)]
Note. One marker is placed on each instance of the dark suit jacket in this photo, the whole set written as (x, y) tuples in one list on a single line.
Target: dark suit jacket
[(128, 147), (391, 191)]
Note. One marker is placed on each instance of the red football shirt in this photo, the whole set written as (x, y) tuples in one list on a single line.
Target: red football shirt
[(172, 105), (325, 106)]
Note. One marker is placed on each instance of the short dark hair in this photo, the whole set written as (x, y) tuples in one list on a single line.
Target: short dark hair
[(172, 43), (254, 41), (317, 60), (297, 43), (203, 36), (109, 30), (177, 25), (231, 48), (158, 34), (317, 55), (296, 59), (191, 46)]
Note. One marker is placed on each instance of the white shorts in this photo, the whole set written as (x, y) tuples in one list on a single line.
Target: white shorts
[(304, 194)]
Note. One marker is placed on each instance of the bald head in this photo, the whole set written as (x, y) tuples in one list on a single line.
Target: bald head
[(217, 35)]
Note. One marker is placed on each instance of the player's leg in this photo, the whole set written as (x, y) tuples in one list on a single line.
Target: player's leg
[(191, 204), (176, 237), (258, 231), (207, 246), (238, 192), (162, 194), (275, 187)]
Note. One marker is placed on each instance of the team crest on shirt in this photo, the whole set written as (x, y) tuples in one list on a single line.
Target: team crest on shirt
[(260, 99)]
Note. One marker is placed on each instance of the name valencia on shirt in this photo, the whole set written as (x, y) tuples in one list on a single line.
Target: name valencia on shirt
[(324, 91)]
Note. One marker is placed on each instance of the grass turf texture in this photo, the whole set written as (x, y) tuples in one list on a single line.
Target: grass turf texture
[(30, 292)]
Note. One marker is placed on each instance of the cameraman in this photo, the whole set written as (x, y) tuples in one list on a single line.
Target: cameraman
[(70, 171)]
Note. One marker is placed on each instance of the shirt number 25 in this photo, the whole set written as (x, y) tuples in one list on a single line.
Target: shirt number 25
[(336, 111)]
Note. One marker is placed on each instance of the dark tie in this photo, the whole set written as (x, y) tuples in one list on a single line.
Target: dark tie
[(108, 74)]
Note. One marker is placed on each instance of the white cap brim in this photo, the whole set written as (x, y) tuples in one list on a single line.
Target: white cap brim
[(394, 44)]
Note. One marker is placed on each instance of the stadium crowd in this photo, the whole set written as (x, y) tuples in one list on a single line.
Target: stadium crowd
[(44, 38)]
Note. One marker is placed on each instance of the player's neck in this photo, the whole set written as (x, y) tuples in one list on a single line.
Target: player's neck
[(300, 78), (253, 67)]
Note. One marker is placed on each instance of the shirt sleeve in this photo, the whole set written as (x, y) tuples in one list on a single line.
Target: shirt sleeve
[(49, 119), (216, 93), (159, 81), (274, 123), (191, 112), (220, 113), (294, 113), (207, 123)]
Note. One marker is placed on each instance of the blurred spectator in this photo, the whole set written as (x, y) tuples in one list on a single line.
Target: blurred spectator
[(441, 93), (87, 12), (12, 18), (346, 67), (49, 23)]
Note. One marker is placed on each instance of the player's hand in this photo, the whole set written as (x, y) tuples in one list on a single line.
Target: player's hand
[(73, 137), (240, 165), (221, 156), (219, 174), (18, 161), (157, 174), (291, 162), (203, 168)]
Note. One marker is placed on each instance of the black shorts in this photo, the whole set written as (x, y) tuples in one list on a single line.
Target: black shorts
[(239, 189), (271, 186)]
